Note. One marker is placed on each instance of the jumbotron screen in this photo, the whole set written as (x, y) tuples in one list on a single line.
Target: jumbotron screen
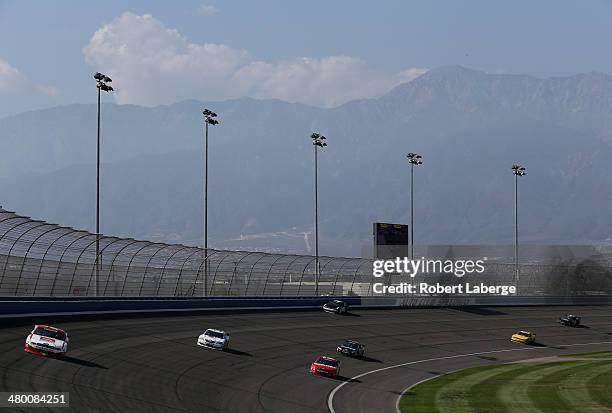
[(390, 240)]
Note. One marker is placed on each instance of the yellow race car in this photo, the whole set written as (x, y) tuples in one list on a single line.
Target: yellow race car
[(524, 337)]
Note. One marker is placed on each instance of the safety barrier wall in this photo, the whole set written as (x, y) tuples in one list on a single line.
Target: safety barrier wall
[(46, 306), (83, 305)]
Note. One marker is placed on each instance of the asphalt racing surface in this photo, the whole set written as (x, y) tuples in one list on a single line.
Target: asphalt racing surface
[(152, 364)]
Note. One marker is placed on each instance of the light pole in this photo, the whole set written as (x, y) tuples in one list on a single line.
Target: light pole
[(209, 119), (318, 141), (102, 85), (517, 170), (413, 159)]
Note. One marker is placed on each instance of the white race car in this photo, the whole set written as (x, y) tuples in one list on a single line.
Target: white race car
[(47, 341), (216, 339)]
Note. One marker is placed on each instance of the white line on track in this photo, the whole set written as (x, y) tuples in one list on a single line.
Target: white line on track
[(330, 398)]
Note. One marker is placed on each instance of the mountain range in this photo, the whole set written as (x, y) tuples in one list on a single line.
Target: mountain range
[(469, 126)]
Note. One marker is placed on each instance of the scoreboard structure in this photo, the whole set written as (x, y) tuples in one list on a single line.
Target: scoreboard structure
[(390, 240)]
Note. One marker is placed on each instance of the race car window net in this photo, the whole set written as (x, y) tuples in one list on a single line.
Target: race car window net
[(327, 362), (58, 335)]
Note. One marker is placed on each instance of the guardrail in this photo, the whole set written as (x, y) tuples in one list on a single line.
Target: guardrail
[(105, 305), (48, 306)]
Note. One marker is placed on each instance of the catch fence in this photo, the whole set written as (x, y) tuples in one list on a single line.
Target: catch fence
[(42, 259)]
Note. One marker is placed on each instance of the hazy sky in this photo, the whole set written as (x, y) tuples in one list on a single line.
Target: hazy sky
[(318, 52)]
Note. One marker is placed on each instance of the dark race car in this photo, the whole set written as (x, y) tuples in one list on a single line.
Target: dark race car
[(570, 320), (351, 348), (336, 306)]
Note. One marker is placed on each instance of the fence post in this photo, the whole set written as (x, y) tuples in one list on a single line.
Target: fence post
[(15, 241), (61, 260), (144, 276), (44, 257), (205, 260), (209, 293), (76, 265), (246, 291), (338, 275), (129, 268), (98, 262), (112, 266), (196, 250), (263, 293), (302, 277), (161, 277), (248, 254), (297, 257), (355, 275), (25, 257)]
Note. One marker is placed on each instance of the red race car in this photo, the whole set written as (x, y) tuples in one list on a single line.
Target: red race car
[(47, 341), (326, 366)]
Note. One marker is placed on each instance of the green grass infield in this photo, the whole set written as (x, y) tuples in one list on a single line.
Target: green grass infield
[(577, 383)]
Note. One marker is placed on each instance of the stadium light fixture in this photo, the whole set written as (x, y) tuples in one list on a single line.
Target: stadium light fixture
[(517, 170), (413, 160), (102, 85), (210, 118), (318, 141)]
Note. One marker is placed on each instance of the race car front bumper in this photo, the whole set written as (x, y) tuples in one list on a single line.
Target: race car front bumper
[(323, 372), (47, 352), (521, 341), (346, 352), (213, 345)]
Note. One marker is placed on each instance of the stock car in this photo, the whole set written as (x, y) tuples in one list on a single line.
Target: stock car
[(569, 320), (524, 337), (336, 306), (47, 341), (212, 338), (325, 366), (351, 348)]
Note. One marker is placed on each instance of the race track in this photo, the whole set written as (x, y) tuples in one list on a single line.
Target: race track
[(151, 364)]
